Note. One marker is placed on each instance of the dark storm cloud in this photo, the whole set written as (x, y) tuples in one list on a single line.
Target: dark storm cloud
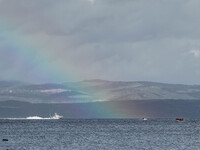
[(154, 40)]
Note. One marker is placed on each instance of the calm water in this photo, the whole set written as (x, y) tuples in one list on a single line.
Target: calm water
[(157, 134)]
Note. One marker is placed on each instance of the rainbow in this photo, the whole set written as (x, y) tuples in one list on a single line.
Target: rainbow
[(35, 55)]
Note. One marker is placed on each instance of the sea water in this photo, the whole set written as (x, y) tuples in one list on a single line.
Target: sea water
[(100, 134)]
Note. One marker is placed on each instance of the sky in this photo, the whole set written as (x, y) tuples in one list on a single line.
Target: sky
[(126, 40)]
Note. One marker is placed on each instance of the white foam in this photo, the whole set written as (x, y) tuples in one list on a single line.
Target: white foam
[(56, 116), (27, 118), (36, 117)]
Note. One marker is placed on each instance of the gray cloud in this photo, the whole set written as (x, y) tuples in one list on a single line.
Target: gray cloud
[(109, 39)]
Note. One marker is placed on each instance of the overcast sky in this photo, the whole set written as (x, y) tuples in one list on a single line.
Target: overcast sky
[(128, 40)]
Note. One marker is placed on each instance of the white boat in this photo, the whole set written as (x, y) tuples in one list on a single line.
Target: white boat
[(144, 118), (56, 116)]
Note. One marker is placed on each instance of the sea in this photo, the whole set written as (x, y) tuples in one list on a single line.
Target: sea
[(100, 134)]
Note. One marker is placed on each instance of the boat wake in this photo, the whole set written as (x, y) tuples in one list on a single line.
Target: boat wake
[(36, 117), (56, 116)]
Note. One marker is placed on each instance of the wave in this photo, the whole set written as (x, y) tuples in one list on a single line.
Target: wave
[(56, 116), (27, 118), (36, 117)]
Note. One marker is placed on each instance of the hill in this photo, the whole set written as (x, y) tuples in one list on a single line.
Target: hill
[(96, 91)]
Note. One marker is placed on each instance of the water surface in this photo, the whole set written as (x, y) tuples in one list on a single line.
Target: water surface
[(94, 134)]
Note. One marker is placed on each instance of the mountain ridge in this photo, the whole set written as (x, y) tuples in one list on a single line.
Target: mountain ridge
[(96, 90)]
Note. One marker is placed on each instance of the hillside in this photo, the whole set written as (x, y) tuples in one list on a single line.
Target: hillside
[(96, 91)]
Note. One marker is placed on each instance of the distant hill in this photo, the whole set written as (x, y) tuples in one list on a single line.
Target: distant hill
[(96, 91)]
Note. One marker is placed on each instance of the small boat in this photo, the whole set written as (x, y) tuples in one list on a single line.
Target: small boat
[(144, 118), (56, 116), (179, 119)]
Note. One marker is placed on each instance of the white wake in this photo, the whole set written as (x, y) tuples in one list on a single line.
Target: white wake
[(56, 116)]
